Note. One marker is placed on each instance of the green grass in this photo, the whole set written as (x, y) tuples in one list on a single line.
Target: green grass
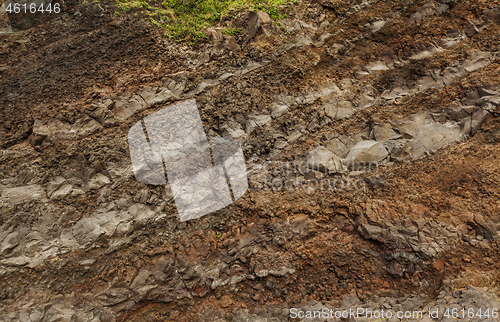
[(232, 31), (184, 20)]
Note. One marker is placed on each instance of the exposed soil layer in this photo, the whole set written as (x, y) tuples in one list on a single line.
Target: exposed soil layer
[(82, 240)]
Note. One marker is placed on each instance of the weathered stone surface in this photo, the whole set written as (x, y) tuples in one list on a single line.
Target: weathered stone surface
[(125, 107), (232, 129), (384, 132), (337, 147), (255, 121), (323, 160), (339, 110), (477, 118), (23, 194), (365, 153)]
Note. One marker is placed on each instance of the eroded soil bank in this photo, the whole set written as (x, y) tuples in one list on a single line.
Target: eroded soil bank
[(410, 88)]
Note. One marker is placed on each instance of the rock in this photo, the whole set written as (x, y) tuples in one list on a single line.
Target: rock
[(156, 95), (337, 147), (232, 129), (465, 126), (365, 153), (255, 121), (97, 181), (323, 160), (384, 132), (125, 107), (256, 20), (455, 112), (340, 110), (478, 59), (62, 192), (407, 129), (427, 82), (470, 29), (432, 137), (23, 194), (54, 184), (376, 66), (279, 110), (377, 25), (486, 228), (12, 240), (477, 118), (452, 74), (231, 44)]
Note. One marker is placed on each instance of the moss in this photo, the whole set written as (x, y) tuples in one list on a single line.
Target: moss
[(184, 20)]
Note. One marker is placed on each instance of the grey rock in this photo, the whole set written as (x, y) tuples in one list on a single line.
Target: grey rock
[(125, 107), (377, 25), (323, 160), (384, 132), (156, 95), (465, 126), (478, 59), (365, 153), (255, 121), (232, 129), (477, 118), (340, 110), (23, 194), (337, 147)]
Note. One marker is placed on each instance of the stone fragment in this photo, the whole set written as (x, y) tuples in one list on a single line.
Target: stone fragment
[(337, 147), (323, 160), (384, 132), (477, 118), (377, 25), (365, 153), (232, 129), (340, 110), (23, 194), (255, 121), (465, 126)]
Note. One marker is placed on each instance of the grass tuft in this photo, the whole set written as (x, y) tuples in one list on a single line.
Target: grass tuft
[(184, 20)]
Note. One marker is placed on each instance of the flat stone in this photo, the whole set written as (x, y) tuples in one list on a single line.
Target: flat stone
[(340, 110), (23, 194), (337, 147), (477, 119), (384, 132), (323, 160), (376, 66), (365, 153), (255, 121), (377, 25), (478, 59)]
